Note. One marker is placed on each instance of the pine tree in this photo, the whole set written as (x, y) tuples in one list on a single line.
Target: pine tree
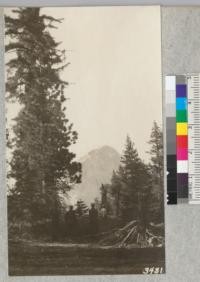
[(130, 163), (43, 134), (133, 178), (156, 171), (106, 200), (116, 190), (104, 194), (156, 153), (81, 208), (97, 204)]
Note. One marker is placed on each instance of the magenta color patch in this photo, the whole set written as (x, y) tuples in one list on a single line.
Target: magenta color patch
[(182, 154)]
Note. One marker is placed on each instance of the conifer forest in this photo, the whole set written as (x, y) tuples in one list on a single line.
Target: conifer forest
[(122, 229)]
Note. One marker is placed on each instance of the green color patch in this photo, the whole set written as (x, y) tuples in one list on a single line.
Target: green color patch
[(181, 116)]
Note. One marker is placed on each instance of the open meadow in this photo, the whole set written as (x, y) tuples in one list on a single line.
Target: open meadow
[(26, 258)]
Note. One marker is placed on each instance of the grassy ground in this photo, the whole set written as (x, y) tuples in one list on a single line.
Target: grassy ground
[(28, 258)]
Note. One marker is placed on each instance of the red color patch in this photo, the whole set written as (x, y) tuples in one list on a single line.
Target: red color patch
[(182, 141)]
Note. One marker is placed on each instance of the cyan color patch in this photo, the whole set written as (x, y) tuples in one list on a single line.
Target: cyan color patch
[(181, 103)]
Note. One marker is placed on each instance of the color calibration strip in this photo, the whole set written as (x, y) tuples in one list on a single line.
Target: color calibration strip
[(170, 103), (182, 138), (182, 97), (194, 138)]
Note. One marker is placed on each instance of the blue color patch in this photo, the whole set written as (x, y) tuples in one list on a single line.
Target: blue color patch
[(181, 90), (181, 103)]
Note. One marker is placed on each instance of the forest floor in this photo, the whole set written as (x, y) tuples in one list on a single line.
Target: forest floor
[(34, 258)]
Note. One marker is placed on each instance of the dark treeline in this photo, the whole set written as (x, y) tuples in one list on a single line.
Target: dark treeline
[(136, 189), (135, 194)]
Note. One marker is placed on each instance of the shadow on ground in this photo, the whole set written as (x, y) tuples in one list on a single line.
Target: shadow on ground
[(29, 258)]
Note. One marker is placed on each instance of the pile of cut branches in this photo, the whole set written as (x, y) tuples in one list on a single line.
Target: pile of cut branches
[(135, 234)]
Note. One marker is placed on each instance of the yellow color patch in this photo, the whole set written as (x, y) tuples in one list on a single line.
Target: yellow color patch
[(181, 128)]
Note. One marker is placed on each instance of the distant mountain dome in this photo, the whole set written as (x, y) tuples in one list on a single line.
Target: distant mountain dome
[(97, 168)]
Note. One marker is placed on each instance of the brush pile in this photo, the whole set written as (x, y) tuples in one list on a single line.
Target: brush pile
[(135, 234)]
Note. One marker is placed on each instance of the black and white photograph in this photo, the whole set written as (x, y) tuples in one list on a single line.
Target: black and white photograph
[(84, 133)]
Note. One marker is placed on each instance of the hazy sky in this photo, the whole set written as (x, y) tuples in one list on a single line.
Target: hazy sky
[(115, 71)]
